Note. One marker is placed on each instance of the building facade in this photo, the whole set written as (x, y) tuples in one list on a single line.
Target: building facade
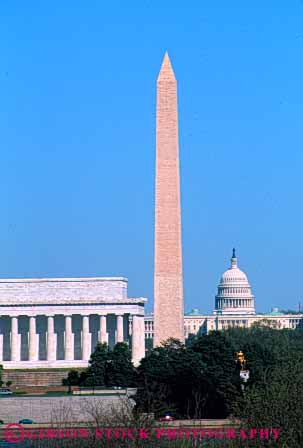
[(234, 307), (234, 295), (197, 323), (57, 322)]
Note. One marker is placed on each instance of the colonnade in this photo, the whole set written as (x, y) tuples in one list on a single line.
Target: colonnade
[(136, 329), (234, 303)]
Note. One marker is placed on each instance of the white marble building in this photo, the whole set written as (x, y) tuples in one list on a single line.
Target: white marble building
[(234, 307), (234, 295), (56, 322)]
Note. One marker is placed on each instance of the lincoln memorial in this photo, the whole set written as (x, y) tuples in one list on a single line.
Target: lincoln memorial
[(57, 322)]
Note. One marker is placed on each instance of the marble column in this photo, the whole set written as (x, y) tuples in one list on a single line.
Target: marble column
[(103, 335), (138, 339), (143, 334), (120, 334), (86, 342), (51, 339), (1, 347), (33, 340), (69, 346), (15, 352)]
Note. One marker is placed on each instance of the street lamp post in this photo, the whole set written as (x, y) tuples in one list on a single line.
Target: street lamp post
[(244, 373)]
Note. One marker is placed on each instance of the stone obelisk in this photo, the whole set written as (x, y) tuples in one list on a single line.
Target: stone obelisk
[(168, 277)]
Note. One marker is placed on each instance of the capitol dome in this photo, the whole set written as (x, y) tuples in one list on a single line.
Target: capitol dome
[(234, 292)]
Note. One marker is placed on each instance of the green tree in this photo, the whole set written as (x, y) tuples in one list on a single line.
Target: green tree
[(73, 379), (200, 381), (223, 380), (171, 378), (278, 403), (106, 368), (95, 374), (265, 347), (119, 368)]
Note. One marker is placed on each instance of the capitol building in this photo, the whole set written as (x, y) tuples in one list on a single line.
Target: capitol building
[(234, 307), (234, 292)]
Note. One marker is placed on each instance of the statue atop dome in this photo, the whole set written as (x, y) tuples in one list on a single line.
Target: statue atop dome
[(234, 261)]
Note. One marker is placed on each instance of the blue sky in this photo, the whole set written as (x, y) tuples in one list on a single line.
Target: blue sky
[(77, 141)]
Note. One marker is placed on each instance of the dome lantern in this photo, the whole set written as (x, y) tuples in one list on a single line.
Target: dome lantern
[(234, 261)]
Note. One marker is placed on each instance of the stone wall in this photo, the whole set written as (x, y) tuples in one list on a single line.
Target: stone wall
[(24, 379)]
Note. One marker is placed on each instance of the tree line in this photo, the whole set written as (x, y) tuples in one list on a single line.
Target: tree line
[(201, 379)]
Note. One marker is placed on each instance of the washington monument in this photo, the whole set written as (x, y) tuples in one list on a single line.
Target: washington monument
[(168, 277)]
